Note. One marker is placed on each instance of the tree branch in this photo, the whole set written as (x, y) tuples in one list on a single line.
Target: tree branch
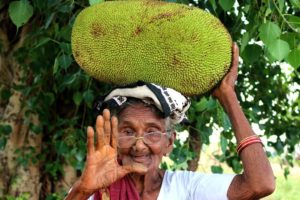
[(22, 38)]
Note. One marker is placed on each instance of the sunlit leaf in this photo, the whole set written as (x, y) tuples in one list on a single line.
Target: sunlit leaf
[(294, 58), (279, 49), (268, 32)]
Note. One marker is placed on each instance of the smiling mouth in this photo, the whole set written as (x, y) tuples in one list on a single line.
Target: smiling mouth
[(140, 159)]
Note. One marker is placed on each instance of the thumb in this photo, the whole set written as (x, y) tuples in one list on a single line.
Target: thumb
[(135, 167)]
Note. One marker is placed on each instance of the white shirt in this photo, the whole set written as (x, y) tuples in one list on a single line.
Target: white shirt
[(187, 185)]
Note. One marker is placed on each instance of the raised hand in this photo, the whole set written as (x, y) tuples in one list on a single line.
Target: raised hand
[(228, 83), (101, 167)]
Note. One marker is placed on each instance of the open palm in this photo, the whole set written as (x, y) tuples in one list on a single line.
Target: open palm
[(101, 168)]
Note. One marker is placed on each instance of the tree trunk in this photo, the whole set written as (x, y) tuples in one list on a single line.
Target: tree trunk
[(195, 145), (15, 177)]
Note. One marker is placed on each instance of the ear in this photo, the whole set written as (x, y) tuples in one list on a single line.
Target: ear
[(170, 143)]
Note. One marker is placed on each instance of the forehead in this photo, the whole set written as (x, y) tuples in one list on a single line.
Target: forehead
[(140, 113)]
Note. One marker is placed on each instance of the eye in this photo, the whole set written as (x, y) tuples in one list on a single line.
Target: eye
[(127, 132), (152, 130)]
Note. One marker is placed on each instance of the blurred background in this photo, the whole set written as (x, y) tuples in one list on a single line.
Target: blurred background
[(46, 99)]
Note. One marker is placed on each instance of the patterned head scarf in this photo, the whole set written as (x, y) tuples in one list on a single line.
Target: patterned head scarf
[(170, 102)]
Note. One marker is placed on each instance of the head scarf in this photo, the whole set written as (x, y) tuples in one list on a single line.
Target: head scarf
[(170, 102)]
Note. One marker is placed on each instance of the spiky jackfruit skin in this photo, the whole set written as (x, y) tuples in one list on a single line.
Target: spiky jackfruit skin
[(170, 44)]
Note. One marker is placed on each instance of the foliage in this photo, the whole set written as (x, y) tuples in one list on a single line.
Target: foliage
[(62, 95)]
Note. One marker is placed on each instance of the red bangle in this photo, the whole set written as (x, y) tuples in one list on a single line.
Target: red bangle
[(246, 142)]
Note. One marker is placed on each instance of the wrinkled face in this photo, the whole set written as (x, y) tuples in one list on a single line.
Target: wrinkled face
[(139, 119)]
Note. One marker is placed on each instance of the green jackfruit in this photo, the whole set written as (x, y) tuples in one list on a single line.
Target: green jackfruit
[(170, 44)]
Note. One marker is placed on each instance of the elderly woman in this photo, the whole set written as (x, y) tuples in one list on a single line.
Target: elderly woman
[(124, 162)]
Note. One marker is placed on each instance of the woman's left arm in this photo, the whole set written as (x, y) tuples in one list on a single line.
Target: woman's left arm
[(257, 180)]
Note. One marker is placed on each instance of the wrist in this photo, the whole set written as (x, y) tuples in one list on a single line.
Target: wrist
[(78, 192), (227, 98)]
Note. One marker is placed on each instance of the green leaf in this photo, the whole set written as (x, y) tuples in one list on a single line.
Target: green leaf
[(291, 38), (5, 129), (252, 53), (295, 3), (223, 144), (61, 147), (49, 98), (55, 66), (80, 155), (236, 166), (226, 124), (93, 2), (213, 4), (20, 12), (226, 4), (68, 80), (201, 105), (42, 41), (286, 172), (279, 49), (268, 32), (281, 4), (65, 61), (294, 58), (245, 40), (3, 142), (294, 21), (49, 19), (216, 169), (88, 96), (212, 103), (35, 129), (66, 47), (77, 98), (5, 94)]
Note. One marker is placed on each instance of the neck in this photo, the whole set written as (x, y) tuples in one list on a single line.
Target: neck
[(149, 183)]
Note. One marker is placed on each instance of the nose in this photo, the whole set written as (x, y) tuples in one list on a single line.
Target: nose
[(139, 144)]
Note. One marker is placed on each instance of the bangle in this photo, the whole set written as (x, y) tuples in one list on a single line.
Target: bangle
[(246, 142), (249, 138)]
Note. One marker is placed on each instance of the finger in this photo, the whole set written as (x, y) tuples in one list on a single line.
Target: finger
[(90, 140), (107, 126), (114, 125), (235, 58), (100, 132)]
